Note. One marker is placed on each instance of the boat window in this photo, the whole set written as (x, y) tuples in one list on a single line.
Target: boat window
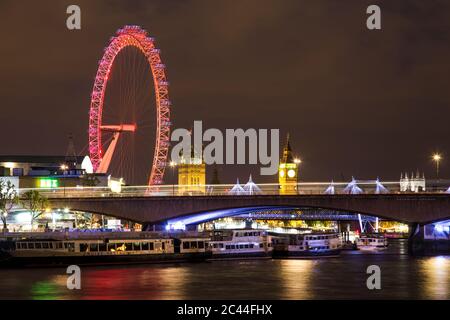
[(69, 245), (111, 247), (233, 246), (163, 245), (185, 244), (128, 246), (59, 245), (201, 244), (93, 247), (227, 247), (145, 246), (193, 244), (45, 245), (30, 245), (151, 246), (136, 246), (102, 247), (84, 247), (261, 245), (220, 245), (38, 245), (252, 245)]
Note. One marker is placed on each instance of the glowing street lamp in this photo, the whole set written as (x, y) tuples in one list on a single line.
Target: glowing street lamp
[(297, 161), (64, 167), (172, 165), (437, 159)]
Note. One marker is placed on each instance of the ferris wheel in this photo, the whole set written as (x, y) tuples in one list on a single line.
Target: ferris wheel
[(136, 38)]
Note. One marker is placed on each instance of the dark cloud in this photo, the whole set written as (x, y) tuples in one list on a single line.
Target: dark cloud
[(356, 102)]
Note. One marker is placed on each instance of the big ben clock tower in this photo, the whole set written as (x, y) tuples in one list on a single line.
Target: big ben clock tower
[(288, 171)]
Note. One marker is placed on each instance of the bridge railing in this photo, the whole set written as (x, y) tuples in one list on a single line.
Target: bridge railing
[(303, 188)]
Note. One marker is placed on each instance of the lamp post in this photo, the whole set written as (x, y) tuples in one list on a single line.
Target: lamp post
[(5, 216), (297, 161), (437, 159), (64, 168), (172, 165)]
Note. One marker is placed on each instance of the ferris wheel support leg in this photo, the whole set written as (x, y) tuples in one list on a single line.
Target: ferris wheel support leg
[(106, 160)]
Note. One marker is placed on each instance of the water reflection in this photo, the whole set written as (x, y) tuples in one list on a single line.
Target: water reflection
[(296, 278), (403, 277), (436, 273), (143, 282), (45, 290)]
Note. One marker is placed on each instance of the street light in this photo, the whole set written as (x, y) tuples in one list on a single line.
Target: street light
[(172, 165), (5, 216), (437, 158), (64, 167)]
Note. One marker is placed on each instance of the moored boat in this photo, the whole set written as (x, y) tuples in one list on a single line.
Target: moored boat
[(307, 245), (100, 249), (373, 241), (240, 244)]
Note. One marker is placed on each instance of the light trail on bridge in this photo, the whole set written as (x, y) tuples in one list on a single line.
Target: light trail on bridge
[(305, 188)]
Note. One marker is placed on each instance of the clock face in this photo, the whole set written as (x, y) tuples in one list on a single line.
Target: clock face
[(291, 173), (282, 173)]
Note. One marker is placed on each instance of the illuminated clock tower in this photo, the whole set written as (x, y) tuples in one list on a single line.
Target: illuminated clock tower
[(288, 171)]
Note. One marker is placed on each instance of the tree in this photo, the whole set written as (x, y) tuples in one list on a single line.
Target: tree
[(34, 202), (8, 198)]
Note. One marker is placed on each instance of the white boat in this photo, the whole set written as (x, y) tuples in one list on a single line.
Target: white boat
[(307, 245), (238, 244), (371, 242)]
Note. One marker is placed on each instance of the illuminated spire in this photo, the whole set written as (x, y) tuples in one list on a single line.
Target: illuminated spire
[(287, 152)]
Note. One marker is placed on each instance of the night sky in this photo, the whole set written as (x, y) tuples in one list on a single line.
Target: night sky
[(356, 102)]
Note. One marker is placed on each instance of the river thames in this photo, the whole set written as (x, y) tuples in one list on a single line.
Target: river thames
[(344, 277)]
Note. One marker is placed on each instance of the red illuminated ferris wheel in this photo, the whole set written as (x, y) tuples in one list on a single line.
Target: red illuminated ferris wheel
[(129, 36)]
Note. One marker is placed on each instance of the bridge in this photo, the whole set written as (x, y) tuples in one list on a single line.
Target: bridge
[(154, 205)]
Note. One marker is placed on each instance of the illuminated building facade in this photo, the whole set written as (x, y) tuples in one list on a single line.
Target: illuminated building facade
[(191, 175), (46, 171), (414, 183), (288, 171)]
